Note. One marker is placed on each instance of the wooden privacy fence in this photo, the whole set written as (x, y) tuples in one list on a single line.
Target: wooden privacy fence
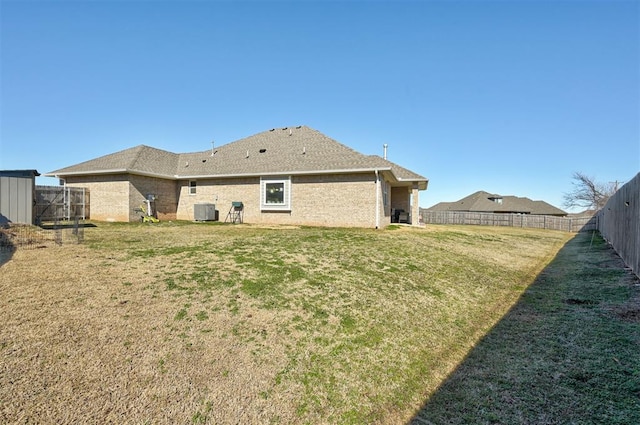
[(61, 203), (619, 223), (567, 224)]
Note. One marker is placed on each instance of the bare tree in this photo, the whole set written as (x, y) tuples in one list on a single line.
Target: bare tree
[(587, 192)]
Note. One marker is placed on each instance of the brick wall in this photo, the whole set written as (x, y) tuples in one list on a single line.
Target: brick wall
[(415, 205), (400, 199), (335, 200), (165, 191), (109, 196), (323, 200), (384, 208), (220, 192)]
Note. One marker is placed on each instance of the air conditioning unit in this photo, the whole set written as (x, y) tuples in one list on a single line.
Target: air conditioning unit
[(205, 212)]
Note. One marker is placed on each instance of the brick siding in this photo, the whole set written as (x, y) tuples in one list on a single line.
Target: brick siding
[(324, 200), (111, 199), (347, 200), (166, 203)]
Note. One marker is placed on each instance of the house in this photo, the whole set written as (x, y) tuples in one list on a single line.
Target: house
[(17, 196), (492, 203), (293, 175)]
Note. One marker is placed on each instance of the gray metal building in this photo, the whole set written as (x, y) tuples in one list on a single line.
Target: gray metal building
[(17, 196)]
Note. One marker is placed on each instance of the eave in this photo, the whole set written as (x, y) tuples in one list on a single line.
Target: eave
[(235, 175), (109, 172)]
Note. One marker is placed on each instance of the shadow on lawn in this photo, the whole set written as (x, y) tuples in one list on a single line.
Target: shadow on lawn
[(7, 248), (567, 352), (66, 225), (5, 256)]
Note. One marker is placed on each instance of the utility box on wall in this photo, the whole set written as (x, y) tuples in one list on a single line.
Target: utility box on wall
[(205, 212)]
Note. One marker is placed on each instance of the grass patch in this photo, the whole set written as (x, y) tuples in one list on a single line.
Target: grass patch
[(268, 325), (563, 354)]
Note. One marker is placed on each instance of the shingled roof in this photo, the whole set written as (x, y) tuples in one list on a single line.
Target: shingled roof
[(482, 201), (140, 160), (289, 150)]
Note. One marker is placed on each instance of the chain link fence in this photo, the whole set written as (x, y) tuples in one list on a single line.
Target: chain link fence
[(60, 214), (58, 232)]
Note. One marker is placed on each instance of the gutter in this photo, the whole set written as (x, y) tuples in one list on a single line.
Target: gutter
[(426, 182), (282, 173), (214, 176)]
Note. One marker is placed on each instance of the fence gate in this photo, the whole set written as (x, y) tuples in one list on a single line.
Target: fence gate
[(55, 203)]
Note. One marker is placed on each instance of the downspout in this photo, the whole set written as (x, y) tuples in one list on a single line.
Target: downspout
[(377, 200)]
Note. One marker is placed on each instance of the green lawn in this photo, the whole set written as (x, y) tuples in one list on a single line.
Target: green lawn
[(567, 353)]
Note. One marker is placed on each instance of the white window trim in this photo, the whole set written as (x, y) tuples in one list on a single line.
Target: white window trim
[(195, 187), (286, 206)]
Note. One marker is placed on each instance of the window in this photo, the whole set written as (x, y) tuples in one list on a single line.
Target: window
[(192, 187), (385, 194), (275, 194)]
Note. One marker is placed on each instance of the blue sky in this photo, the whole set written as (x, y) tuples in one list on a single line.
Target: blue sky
[(509, 97)]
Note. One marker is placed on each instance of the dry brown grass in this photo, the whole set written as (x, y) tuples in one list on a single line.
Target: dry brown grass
[(241, 324), (81, 347)]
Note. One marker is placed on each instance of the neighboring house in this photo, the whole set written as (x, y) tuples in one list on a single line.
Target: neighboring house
[(293, 175), (582, 214), (492, 203), (17, 196)]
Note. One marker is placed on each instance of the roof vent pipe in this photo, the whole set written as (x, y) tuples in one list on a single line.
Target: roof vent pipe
[(212, 148), (384, 151)]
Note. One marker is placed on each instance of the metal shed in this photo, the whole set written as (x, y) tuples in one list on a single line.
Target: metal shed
[(17, 196)]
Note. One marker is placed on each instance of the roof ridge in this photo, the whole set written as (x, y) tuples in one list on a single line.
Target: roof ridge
[(137, 162), (135, 159)]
